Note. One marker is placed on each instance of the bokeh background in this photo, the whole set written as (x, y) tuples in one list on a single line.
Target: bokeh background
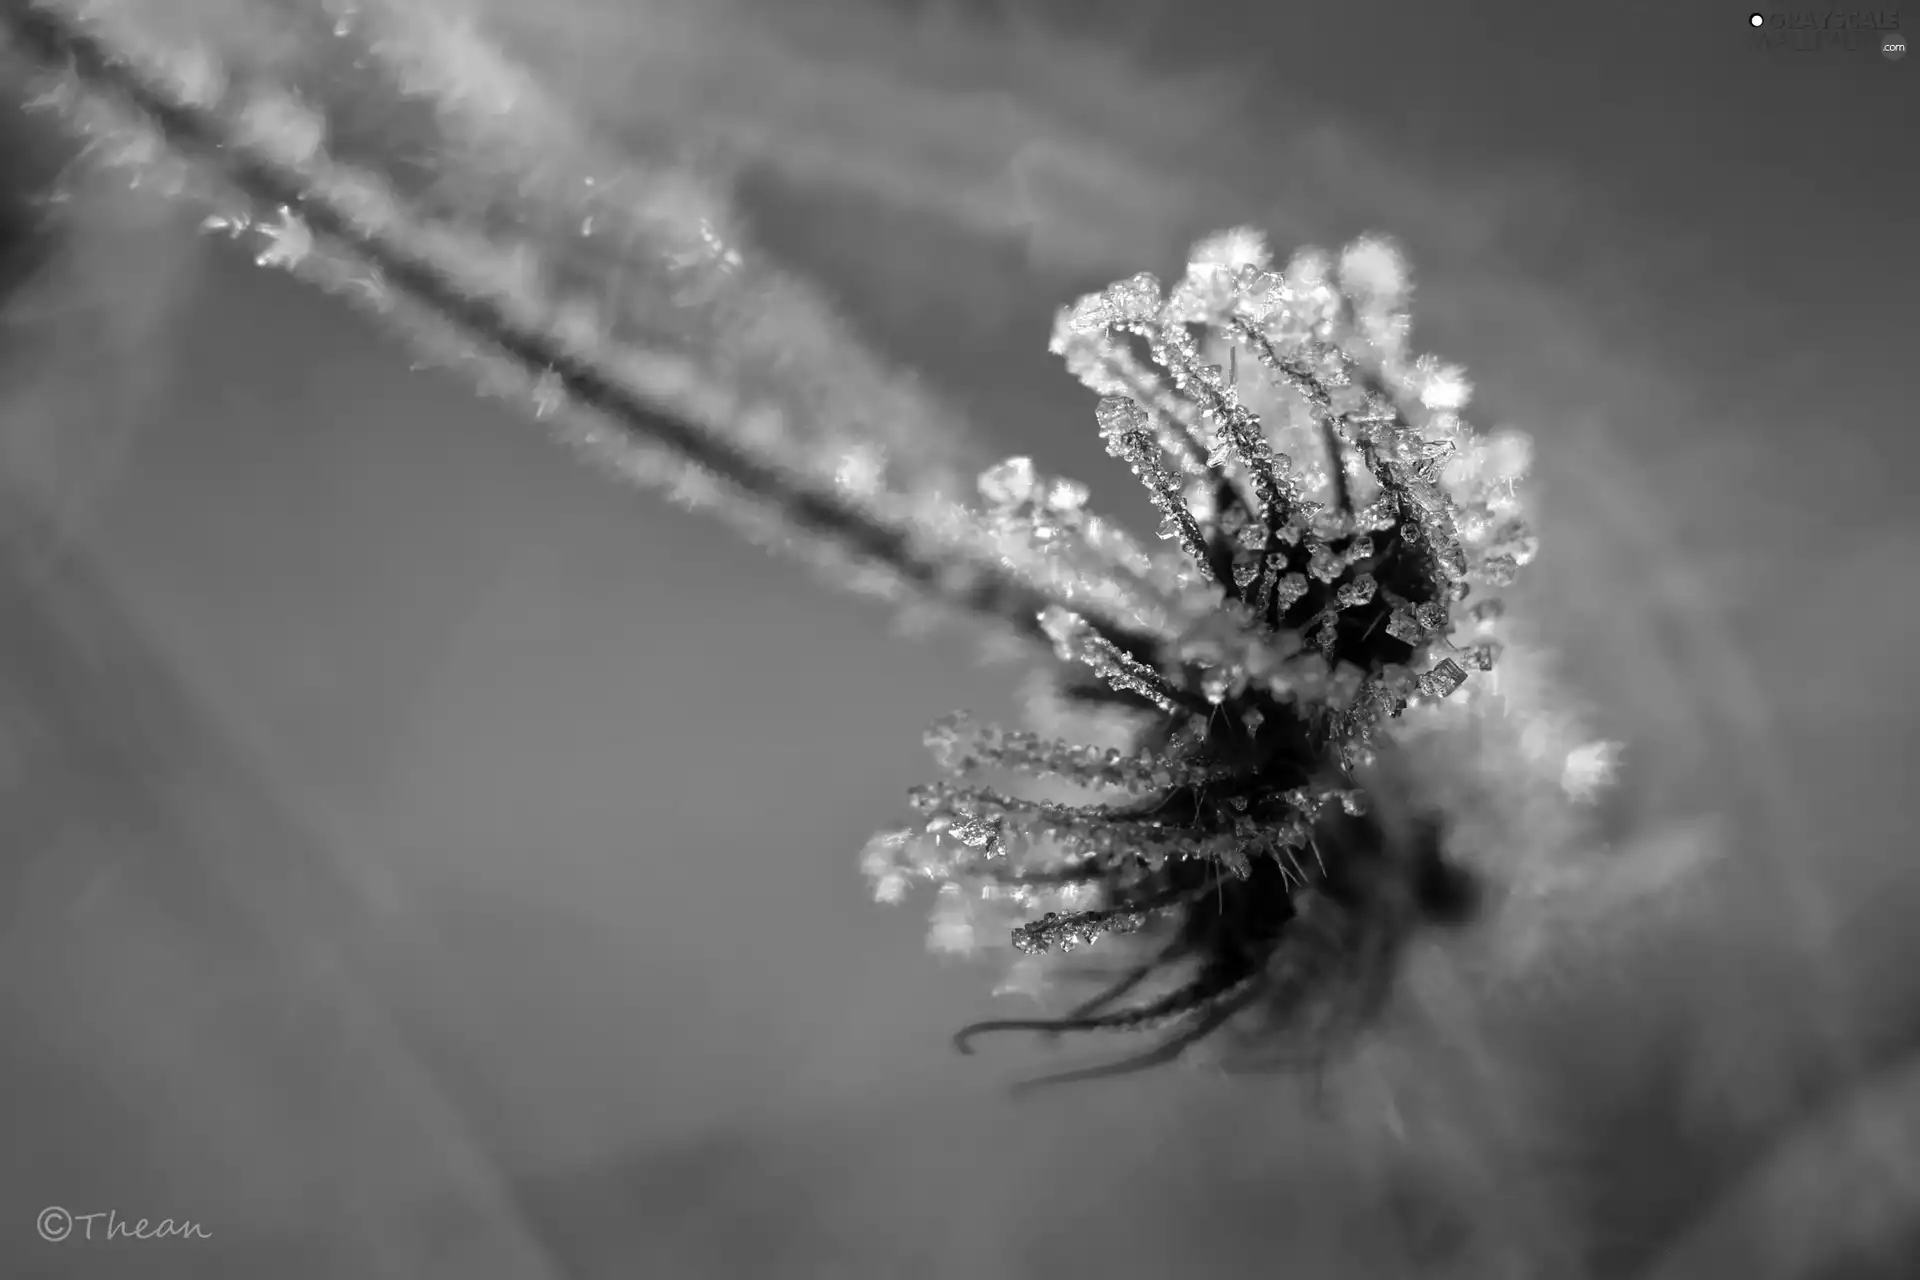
[(424, 857)]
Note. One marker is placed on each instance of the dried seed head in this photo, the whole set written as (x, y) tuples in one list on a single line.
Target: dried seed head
[(1250, 862)]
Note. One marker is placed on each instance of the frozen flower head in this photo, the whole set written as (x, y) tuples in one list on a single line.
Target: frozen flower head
[(1332, 533), (1236, 708), (1255, 790)]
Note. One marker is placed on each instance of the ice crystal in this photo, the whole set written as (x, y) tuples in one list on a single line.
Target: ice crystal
[(1308, 609), (288, 241)]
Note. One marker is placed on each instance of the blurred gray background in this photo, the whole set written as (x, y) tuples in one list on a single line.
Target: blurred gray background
[(423, 857)]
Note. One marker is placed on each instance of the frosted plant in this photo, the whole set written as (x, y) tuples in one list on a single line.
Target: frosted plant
[(1337, 536), (1295, 750)]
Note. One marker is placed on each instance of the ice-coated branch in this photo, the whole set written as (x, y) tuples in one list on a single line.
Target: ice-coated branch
[(257, 153)]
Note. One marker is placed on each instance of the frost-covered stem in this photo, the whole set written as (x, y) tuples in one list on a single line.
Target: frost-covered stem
[(655, 247), (442, 283)]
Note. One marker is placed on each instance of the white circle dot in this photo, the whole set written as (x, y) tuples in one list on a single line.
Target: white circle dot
[(1757, 20)]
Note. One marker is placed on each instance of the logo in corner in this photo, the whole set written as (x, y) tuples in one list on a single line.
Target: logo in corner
[(1782, 29)]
